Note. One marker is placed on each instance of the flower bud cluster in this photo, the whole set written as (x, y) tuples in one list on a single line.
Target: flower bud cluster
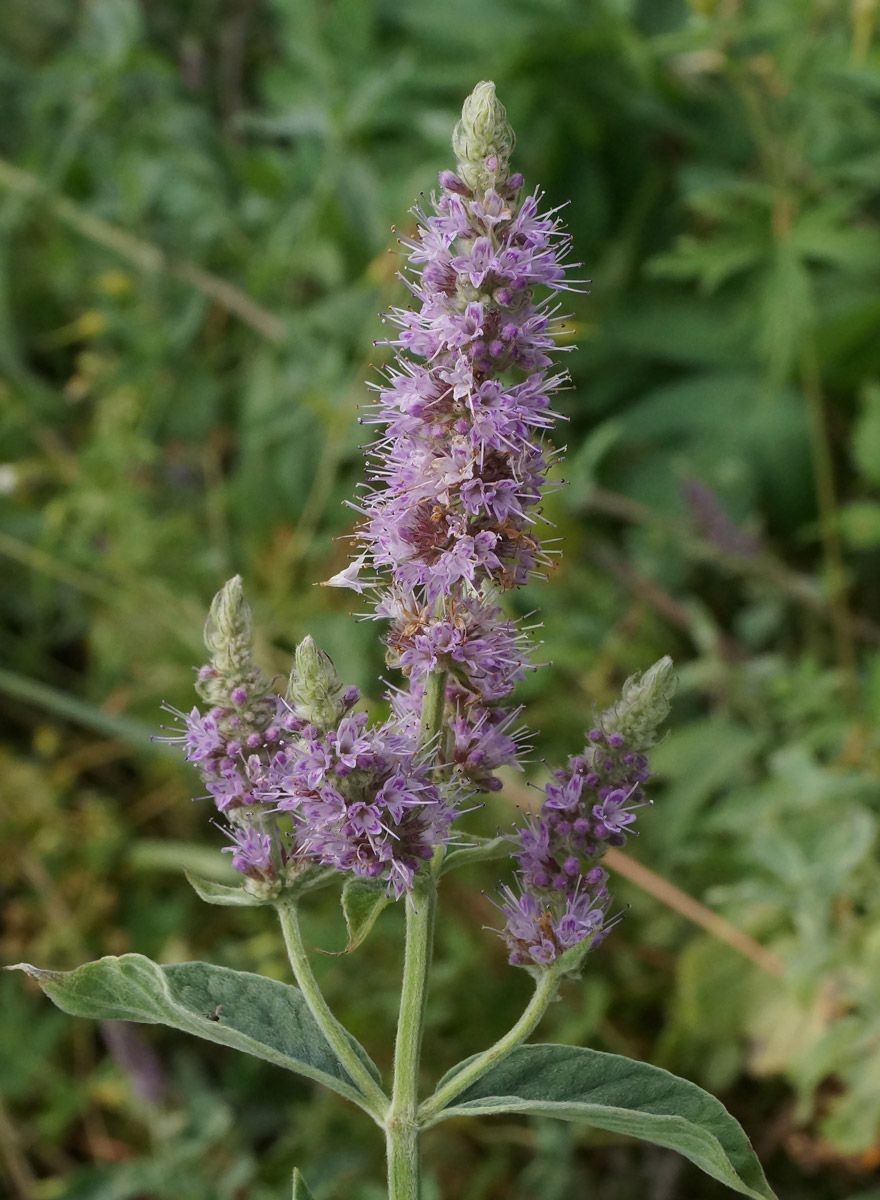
[(233, 741), (482, 140), (589, 805), (234, 687)]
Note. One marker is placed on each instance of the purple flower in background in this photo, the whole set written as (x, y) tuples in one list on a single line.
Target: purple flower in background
[(138, 1060), (714, 522)]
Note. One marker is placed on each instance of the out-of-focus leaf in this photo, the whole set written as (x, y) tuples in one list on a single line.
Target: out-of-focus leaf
[(866, 435), (860, 524), (828, 233), (153, 854), (710, 262), (112, 29), (698, 762), (300, 1187), (787, 309)]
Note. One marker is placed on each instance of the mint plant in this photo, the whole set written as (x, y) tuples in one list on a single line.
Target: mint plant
[(311, 795)]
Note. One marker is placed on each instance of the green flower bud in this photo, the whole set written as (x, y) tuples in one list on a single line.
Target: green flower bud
[(642, 707), (233, 681), (315, 692), (482, 140), (229, 629)]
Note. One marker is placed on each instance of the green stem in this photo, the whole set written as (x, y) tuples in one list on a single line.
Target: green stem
[(433, 709), (864, 13), (402, 1131), (401, 1126), (375, 1102), (829, 526), (545, 991)]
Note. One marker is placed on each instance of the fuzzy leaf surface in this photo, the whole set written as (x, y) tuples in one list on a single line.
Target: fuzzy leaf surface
[(259, 1016), (362, 901), (620, 1095), (221, 893), (300, 1187), (483, 850)]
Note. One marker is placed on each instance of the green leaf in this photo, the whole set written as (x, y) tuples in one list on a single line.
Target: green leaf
[(866, 435), (786, 307), (113, 28), (622, 1096), (300, 1188), (362, 901), (711, 261), (263, 1017), (860, 524), (483, 850), (220, 893), (831, 233), (212, 892)]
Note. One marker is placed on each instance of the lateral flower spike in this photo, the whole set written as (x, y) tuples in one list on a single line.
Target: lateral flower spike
[(232, 680), (559, 910), (643, 706), (482, 140), (315, 692)]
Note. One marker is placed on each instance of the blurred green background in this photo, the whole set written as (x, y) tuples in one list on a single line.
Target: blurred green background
[(196, 204)]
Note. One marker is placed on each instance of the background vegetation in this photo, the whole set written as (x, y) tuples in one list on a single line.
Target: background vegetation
[(195, 212)]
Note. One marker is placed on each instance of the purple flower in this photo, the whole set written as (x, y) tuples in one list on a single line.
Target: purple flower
[(356, 798), (251, 851), (361, 800), (613, 815), (456, 476), (450, 520), (304, 782), (349, 744), (537, 934), (589, 805)]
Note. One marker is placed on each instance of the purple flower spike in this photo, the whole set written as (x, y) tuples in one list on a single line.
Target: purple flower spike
[(588, 806), (450, 520), (452, 513), (303, 782)]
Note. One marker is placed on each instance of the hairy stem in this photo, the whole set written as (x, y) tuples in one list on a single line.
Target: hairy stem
[(545, 991), (401, 1126), (402, 1131), (433, 712), (375, 1102)]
